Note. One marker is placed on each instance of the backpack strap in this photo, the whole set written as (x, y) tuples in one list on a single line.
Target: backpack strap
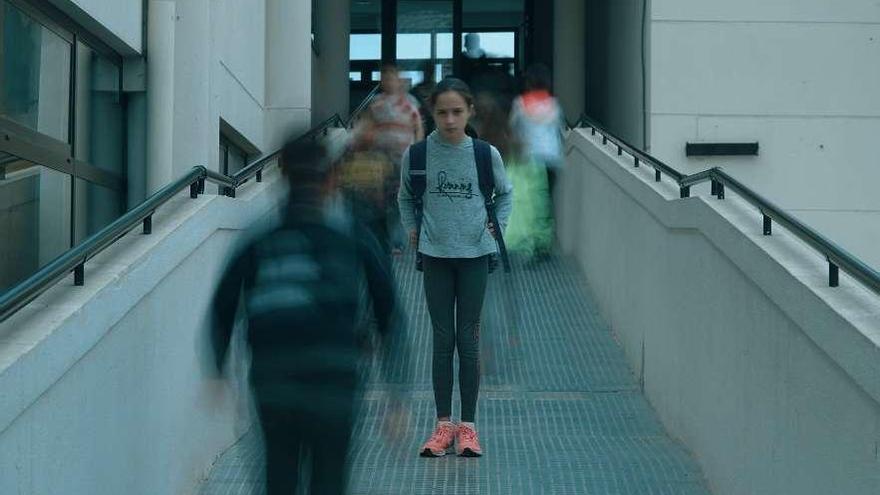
[(418, 182), (418, 158), (483, 157)]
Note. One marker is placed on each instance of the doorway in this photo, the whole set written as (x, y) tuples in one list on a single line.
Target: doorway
[(429, 35)]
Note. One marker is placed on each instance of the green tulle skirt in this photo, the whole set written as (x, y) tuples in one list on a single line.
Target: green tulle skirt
[(530, 228)]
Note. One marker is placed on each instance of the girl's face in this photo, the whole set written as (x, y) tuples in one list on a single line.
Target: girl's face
[(451, 114)]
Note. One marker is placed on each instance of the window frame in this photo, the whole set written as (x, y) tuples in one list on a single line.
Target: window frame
[(44, 150), (40, 148)]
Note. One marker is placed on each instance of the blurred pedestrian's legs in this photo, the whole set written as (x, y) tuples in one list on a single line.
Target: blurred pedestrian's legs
[(289, 434)]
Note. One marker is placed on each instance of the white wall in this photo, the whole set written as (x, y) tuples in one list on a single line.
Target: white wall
[(288, 70), (330, 85), (769, 376), (799, 77), (239, 68), (246, 63), (106, 387), (117, 22)]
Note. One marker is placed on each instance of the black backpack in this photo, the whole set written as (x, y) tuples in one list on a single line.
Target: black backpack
[(418, 158)]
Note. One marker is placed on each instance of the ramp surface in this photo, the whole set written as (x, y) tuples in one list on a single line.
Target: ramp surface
[(559, 413)]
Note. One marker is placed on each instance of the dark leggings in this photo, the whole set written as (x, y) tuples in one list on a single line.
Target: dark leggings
[(454, 289)]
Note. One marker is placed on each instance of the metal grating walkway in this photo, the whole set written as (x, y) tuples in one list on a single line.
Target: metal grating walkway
[(559, 410)]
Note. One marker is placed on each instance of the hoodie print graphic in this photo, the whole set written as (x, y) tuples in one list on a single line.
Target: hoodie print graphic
[(453, 188)]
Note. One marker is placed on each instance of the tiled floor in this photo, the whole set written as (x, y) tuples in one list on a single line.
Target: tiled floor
[(559, 411)]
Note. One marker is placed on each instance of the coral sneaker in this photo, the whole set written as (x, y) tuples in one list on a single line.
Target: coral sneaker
[(441, 440), (467, 444)]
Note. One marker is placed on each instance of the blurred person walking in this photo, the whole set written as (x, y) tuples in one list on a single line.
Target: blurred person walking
[(446, 213), (392, 122), (422, 92), (537, 122), (300, 284)]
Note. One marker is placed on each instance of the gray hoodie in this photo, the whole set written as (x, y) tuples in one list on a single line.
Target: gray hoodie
[(454, 219)]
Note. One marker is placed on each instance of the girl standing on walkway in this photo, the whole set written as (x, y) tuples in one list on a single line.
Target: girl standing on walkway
[(455, 239)]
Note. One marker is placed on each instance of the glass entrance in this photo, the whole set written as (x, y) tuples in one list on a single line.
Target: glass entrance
[(438, 36)]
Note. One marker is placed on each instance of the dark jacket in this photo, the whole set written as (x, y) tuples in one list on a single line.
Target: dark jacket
[(301, 285)]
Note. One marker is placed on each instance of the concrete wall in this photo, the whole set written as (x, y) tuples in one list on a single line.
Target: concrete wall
[(769, 376), (569, 43), (616, 47), (245, 63), (330, 92), (106, 387), (119, 23), (799, 77), (288, 69), (239, 87)]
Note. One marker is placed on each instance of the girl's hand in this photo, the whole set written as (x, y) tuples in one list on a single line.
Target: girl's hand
[(413, 238), (491, 228)]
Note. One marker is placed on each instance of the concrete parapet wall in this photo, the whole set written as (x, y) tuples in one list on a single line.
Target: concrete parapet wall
[(106, 387), (768, 375)]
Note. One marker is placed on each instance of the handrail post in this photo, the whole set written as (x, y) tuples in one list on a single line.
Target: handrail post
[(636, 162), (768, 225), (720, 190), (194, 190), (260, 175), (657, 176), (148, 224), (685, 191), (202, 185), (833, 275), (79, 275)]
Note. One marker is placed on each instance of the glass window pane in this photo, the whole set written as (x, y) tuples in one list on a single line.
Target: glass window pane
[(376, 76), (34, 218), (412, 77), (100, 125), (494, 45), (444, 46), (36, 63), (96, 207), (414, 46), (354, 76), (365, 46)]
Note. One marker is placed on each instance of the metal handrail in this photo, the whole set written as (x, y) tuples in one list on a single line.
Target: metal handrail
[(255, 169), (362, 106), (637, 154), (836, 256), (75, 258)]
